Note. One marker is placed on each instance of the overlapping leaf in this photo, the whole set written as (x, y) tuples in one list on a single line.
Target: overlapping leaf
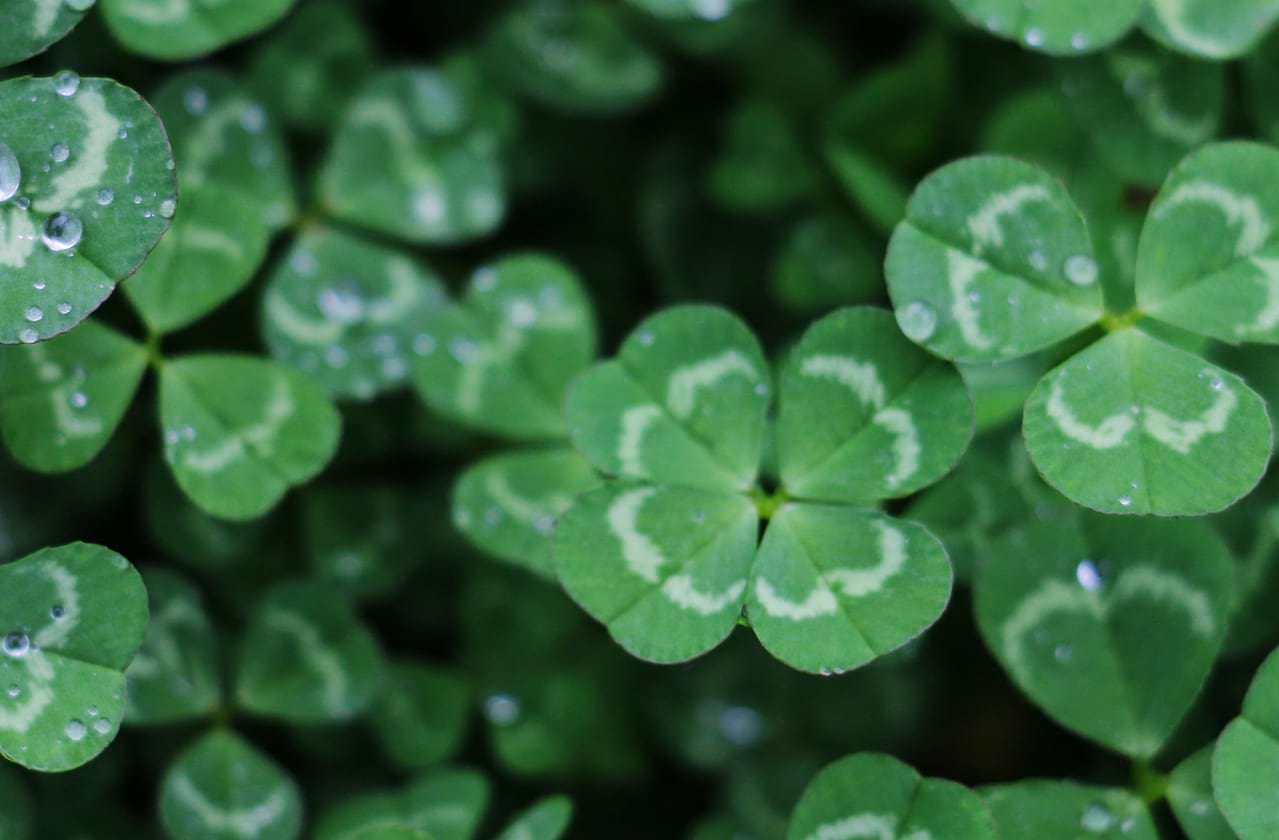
[(1210, 30), (1245, 764), (31, 27), (1066, 809), (446, 804), (175, 675), (1190, 797), (1057, 27), (174, 30), (420, 717)]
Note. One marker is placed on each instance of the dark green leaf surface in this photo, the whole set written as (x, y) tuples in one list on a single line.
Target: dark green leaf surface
[(174, 676), (420, 717), (1070, 811)]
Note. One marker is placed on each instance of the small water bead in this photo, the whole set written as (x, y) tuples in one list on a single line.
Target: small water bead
[(522, 313), (1038, 261), (1079, 41), (28, 336), (168, 207), (647, 338), (1064, 653), (1097, 819), (123, 134), (544, 524), (253, 118), (62, 232), (1088, 575), (1201, 807), (484, 279), (1080, 269), (14, 691), (39, 285), (66, 83), (502, 709), (10, 173), (1035, 37), (64, 309), (23, 203), (92, 711), (34, 314), (78, 400), (105, 197), (196, 101), (76, 730), (463, 350), (1125, 500), (102, 726), (918, 321), (16, 645), (137, 199), (56, 612)]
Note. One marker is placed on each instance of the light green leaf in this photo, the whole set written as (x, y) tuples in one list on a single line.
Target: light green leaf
[(88, 191), (545, 820), (64, 398), (1110, 628), (175, 30), (874, 795), (665, 568), (572, 57), (684, 402), (993, 261), (1056, 27), (446, 804), (223, 136), (413, 158), (1052, 809), (349, 312), (825, 260), (508, 504), (223, 788), (16, 812), (1144, 108), (1209, 29), (834, 588), (73, 618), (240, 431), (1190, 796), (501, 359), (420, 718), (866, 415), (30, 27), (1133, 425), (1245, 765), (217, 242), (1209, 258), (175, 675), (358, 536), (307, 657)]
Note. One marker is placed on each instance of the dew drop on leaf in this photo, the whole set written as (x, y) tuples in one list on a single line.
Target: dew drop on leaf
[(60, 152), (16, 645), (76, 730), (918, 321), (105, 197), (66, 83), (62, 232), (1080, 270), (1097, 819), (34, 314), (1088, 575), (10, 173)]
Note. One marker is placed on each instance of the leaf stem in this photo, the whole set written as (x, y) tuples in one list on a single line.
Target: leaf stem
[(767, 504), (1151, 785), (152, 346), (1114, 323)]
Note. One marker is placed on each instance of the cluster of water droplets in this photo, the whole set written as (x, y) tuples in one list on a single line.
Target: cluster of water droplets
[(1098, 818)]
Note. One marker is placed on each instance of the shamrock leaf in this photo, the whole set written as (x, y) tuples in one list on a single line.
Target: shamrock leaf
[(1049, 808), (31, 27), (239, 431), (992, 261), (508, 504), (1190, 796), (1086, 621), (358, 536), (74, 616), (1056, 27), (1133, 425), (348, 312), (415, 159), (1205, 29), (86, 191), (446, 804), (173, 30), (307, 657), (420, 717), (64, 398), (826, 260), (222, 788), (545, 820), (501, 358), (1245, 764), (874, 795), (762, 166)]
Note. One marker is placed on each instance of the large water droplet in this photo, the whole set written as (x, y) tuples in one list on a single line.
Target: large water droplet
[(66, 83), (10, 173), (62, 232), (33, 314), (502, 709), (1088, 575), (1097, 818), (168, 207), (1081, 270), (105, 197), (918, 321), (16, 645), (76, 730)]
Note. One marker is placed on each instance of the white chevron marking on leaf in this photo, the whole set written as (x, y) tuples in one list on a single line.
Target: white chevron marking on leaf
[(986, 226), (248, 823), (961, 271), (685, 383), (1240, 210), (630, 447), (683, 592), (90, 163), (1107, 434), (642, 558), (1182, 435)]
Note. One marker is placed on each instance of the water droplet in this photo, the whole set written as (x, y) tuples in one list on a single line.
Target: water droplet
[(137, 199), (1038, 261), (521, 313), (1064, 653), (1080, 269), (1088, 575), (1201, 807), (16, 644), (14, 690), (79, 400), (463, 350), (66, 83), (33, 314), (1079, 41), (105, 197), (123, 134), (995, 24), (1125, 500), (502, 709), (168, 207), (1097, 819), (1035, 37), (761, 390), (647, 338), (424, 344), (39, 285), (102, 726), (56, 612), (741, 725), (303, 262), (918, 321), (62, 232), (76, 730), (342, 304), (10, 173), (253, 118), (64, 309), (28, 336), (196, 101), (428, 205), (544, 524), (484, 279), (92, 711)]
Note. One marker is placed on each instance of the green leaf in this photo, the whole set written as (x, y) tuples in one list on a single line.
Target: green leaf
[(684, 402), (1260, 75), (874, 795), (174, 31), (89, 190), (307, 657), (73, 618), (413, 158), (223, 136), (16, 817), (217, 243), (834, 588), (548, 819), (1133, 425), (31, 27), (1056, 27), (1110, 628), (174, 677), (573, 57), (240, 431), (866, 415), (1144, 108), (1209, 259), (348, 312), (1207, 29), (825, 260), (358, 536), (420, 718), (223, 788), (1245, 765), (446, 804), (507, 504), (762, 166), (184, 532), (1054, 809), (64, 398), (501, 359), (877, 191), (1190, 796), (664, 568), (993, 261)]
